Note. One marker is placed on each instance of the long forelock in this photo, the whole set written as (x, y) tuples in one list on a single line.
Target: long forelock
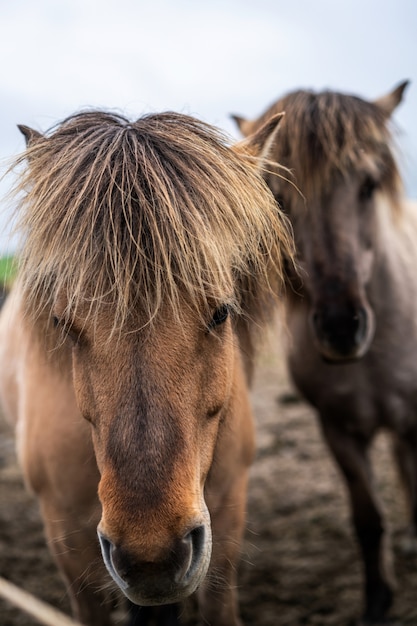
[(144, 213), (327, 133)]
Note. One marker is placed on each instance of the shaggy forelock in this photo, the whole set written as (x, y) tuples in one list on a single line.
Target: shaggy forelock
[(141, 213), (328, 132)]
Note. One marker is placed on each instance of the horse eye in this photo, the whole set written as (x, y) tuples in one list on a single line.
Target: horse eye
[(220, 316), (367, 189), (66, 329), (280, 201)]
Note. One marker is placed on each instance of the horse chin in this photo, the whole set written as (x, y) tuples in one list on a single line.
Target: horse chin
[(338, 360), (158, 585), (177, 593), (330, 354), (173, 591)]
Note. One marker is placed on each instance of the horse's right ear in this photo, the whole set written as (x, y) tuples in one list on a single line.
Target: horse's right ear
[(391, 100), (260, 143), (30, 135)]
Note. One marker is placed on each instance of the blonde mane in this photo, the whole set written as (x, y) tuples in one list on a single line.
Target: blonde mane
[(327, 132), (145, 213)]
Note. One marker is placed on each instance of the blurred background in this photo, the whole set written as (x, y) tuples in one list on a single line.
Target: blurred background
[(207, 59)]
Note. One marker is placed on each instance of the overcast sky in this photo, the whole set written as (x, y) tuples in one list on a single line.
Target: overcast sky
[(208, 59)]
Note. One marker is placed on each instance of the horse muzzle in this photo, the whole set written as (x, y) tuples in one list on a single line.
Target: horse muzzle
[(176, 574), (342, 333)]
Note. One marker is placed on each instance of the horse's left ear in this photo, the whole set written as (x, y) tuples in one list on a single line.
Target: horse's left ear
[(261, 142), (245, 126), (391, 100), (30, 135)]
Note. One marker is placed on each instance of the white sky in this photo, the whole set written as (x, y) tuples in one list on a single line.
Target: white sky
[(208, 59)]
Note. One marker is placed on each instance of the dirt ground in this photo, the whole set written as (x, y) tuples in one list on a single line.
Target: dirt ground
[(299, 560)]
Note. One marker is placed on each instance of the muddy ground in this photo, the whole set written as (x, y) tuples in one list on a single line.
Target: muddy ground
[(299, 560)]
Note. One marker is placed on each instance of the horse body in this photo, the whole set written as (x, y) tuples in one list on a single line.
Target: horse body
[(123, 367), (352, 317)]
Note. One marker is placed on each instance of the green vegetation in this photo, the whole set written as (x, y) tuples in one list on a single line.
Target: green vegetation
[(8, 268)]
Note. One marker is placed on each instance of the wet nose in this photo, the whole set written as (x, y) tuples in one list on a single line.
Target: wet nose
[(175, 567)]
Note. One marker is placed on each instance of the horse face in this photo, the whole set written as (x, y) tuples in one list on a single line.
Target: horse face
[(334, 232), (155, 399), (339, 148)]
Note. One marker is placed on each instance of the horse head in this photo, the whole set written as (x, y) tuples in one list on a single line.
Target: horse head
[(336, 149), (146, 245)]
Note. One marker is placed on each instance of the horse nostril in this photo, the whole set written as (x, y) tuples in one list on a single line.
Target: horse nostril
[(361, 321), (341, 329), (315, 318), (195, 541), (106, 547), (184, 557), (107, 550), (198, 536)]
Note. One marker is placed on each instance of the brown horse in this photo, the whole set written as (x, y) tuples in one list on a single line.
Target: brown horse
[(352, 318), (125, 344)]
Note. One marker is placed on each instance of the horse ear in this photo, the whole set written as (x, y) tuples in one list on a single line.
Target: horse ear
[(30, 135), (391, 100), (245, 126), (261, 142)]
